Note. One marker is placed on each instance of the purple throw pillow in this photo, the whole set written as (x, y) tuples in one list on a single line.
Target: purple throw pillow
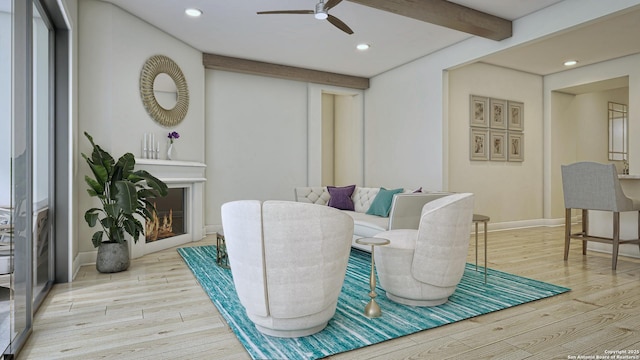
[(341, 197)]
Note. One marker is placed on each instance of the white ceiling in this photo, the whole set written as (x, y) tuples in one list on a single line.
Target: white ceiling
[(603, 39), (232, 28)]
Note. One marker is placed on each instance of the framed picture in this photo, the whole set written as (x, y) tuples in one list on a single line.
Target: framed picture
[(516, 116), (478, 144), (498, 142), (479, 111), (516, 146), (498, 114)]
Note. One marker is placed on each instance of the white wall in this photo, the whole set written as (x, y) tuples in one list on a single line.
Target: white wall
[(505, 191), (256, 139), (113, 47), (403, 138)]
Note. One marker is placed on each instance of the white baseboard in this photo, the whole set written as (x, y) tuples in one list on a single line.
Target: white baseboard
[(85, 258), (510, 225)]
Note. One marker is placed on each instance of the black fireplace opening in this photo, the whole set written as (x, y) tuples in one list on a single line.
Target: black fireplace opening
[(169, 220)]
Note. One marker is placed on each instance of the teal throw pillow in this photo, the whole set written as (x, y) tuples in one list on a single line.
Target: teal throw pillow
[(381, 205)]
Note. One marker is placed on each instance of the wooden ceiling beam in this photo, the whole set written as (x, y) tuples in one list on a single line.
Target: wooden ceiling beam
[(447, 14), (226, 63)]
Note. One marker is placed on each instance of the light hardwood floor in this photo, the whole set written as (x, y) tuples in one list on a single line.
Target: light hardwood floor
[(156, 310)]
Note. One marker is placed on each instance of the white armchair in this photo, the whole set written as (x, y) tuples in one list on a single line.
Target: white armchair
[(288, 262), (423, 267)]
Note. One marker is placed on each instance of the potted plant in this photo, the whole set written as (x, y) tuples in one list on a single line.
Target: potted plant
[(123, 193)]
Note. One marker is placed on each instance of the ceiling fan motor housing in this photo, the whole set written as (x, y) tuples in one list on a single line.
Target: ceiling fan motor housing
[(321, 13)]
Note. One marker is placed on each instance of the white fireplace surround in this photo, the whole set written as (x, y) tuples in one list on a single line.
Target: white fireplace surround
[(177, 174)]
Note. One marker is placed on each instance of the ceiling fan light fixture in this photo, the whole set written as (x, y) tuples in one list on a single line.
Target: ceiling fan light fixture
[(193, 12), (363, 47), (320, 13)]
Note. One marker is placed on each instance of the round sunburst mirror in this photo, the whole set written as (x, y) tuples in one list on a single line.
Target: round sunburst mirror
[(164, 91)]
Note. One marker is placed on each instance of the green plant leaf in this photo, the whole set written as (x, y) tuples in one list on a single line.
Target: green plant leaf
[(99, 156), (144, 212), (97, 238), (147, 194), (153, 182), (133, 227), (99, 172), (127, 163), (117, 234), (91, 216), (111, 210), (108, 222), (126, 196), (95, 187)]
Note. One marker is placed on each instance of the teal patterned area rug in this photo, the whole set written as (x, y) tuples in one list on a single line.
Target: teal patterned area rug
[(350, 329)]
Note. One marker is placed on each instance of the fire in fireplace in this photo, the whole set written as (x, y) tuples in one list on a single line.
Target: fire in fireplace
[(169, 219)]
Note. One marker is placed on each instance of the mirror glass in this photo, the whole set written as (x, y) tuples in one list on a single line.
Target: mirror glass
[(618, 132), (165, 91)]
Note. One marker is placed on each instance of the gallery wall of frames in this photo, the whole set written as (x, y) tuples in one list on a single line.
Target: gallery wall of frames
[(496, 129)]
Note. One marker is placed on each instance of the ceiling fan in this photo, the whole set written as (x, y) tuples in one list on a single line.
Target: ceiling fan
[(321, 12)]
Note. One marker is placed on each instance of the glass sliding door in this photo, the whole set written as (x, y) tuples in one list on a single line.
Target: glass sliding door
[(26, 162)]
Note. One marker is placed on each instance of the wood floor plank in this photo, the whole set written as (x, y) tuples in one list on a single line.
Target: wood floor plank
[(157, 310)]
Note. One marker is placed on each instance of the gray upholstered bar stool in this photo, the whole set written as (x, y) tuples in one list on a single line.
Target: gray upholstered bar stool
[(594, 186)]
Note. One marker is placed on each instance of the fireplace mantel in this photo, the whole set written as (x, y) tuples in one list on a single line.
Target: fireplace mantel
[(171, 171), (177, 174)]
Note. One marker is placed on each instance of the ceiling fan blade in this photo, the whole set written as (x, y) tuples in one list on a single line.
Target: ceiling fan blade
[(286, 12), (331, 3), (339, 24)]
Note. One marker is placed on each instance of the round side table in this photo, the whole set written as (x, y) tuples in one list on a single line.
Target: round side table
[(372, 309)]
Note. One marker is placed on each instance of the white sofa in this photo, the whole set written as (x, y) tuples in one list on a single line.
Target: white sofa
[(404, 214)]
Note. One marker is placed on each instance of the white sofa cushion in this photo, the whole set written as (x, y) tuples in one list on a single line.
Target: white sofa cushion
[(367, 225)]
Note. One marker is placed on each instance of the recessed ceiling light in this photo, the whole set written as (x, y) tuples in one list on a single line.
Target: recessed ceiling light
[(362, 47), (570, 62), (193, 12)]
